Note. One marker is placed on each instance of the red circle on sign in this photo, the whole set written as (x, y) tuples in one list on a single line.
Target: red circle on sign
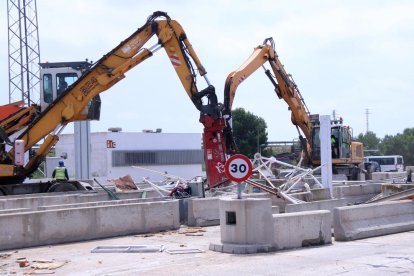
[(238, 168)]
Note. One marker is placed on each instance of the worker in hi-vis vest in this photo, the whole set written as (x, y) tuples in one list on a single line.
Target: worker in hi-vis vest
[(60, 173)]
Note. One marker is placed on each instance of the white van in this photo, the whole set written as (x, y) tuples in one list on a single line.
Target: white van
[(388, 163)]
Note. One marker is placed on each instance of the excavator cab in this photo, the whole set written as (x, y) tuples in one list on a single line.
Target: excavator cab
[(347, 155), (57, 77), (340, 141)]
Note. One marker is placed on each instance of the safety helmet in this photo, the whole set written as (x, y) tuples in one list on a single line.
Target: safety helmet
[(61, 163)]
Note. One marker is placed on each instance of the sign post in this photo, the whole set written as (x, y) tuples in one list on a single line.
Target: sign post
[(238, 168)]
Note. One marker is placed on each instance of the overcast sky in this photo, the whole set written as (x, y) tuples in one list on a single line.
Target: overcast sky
[(346, 56)]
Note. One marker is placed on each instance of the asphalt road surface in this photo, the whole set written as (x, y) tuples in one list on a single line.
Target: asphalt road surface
[(385, 255)]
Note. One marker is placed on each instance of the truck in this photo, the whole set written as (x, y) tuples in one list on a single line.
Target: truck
[(347, 154), (70, 92)]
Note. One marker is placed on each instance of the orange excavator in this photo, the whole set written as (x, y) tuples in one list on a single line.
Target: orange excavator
[(80, 100), (349, 154)]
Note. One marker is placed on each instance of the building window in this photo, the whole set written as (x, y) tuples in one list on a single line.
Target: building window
[(123, 158)]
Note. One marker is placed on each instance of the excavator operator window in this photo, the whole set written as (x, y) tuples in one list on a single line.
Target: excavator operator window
[(47, 88), (336, 142), (64, 80)]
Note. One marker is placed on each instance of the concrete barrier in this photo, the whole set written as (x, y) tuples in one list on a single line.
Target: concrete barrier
[(313, 195), (299, 229), (39, 228), (203, 212), (389, 189), (370, 220), (33, 201), (12, 211), (321, 194), (377, 176), (98, 203), (275, 210), (276, 201), (357, 193), (388, 175), (316, 205)]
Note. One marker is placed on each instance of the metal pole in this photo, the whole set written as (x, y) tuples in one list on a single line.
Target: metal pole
[(326, 154)]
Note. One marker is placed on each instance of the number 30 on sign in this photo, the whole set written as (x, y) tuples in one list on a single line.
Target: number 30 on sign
[(238, 168)]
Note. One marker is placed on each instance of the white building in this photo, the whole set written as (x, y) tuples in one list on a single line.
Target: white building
[(114, 153)]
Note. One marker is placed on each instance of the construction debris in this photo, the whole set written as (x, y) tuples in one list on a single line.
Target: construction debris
[(192, 231), (184, 251), (23, 262), (125, 183), (49, 265), (5, 255), (128, 249)]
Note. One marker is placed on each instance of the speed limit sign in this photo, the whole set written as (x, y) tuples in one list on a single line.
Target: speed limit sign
[(238, 168)]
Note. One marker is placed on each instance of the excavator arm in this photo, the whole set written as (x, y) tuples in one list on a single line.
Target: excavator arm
[(350, 153), (111, 68), (14, 117), (285, 89)]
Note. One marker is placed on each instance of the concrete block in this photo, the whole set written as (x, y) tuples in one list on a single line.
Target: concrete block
[(216, 247), (376, 176), (316, 205), (357, 193), (246, 249), (232, 248), (39, 228), (339, 177), (396, 175), (389, 189), (203, 212), (409, 168), (314, 195), (276, 201), (246, 221), (370, 220), (295, 230), (321, 194)]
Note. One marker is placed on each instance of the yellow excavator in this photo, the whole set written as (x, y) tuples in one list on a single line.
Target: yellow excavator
[(347, 154), (80, 100)]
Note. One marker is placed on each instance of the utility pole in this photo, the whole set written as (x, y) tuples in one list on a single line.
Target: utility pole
[(367, 118)]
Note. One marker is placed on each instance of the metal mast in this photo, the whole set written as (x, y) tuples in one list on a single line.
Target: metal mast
[(24, 52)]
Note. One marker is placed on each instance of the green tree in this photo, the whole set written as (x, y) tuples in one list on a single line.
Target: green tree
[(369, 140), (249, 133), (401, 144)]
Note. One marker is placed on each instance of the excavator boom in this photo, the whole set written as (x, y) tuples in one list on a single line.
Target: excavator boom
[(350, 153), (285, 88), (80, 100)]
